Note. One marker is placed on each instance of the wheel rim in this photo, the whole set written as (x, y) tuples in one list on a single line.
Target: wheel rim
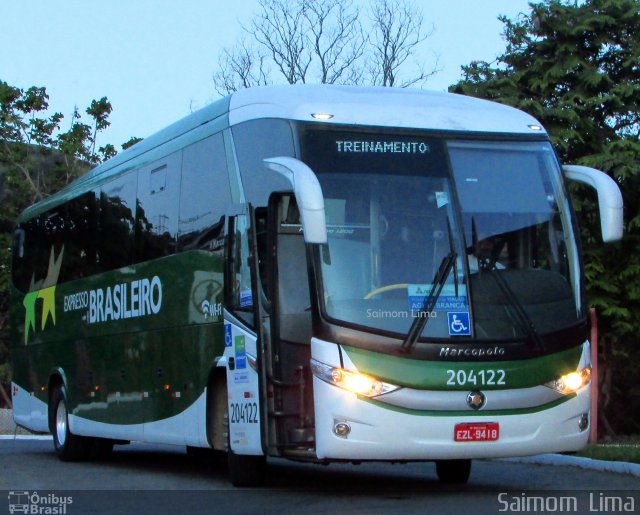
[(61, 423)]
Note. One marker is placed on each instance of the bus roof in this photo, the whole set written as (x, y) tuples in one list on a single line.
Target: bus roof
[(348, 105), (378, 106)]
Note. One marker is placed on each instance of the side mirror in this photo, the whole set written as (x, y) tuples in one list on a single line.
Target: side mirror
[(308, 193), (609, 198)]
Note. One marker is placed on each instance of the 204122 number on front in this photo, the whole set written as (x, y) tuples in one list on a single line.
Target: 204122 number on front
[(488, 377)]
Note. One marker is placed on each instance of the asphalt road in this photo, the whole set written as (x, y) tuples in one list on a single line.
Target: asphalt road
[(164, 479)]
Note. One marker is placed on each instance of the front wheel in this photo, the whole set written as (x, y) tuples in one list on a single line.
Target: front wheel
[(246, 470), (69, 447), (453, 471)]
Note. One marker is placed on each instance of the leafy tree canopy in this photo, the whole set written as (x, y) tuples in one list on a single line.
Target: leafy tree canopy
[(37, 158), (575, 66)]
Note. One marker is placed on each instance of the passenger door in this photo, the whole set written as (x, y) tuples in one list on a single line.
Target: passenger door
[(246, 329)]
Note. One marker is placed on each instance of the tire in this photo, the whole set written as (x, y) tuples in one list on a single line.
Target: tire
[(246, 470), (68, 446), (453, 471)]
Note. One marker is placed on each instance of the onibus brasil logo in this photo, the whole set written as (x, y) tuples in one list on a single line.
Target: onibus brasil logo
[(44, 289), (37, 503)]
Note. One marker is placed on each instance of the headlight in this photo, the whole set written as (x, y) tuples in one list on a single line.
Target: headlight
[(571, 382), (360, 384)]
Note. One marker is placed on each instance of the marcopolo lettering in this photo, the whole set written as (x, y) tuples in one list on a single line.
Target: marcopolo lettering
[(125, 300), (474, 352)]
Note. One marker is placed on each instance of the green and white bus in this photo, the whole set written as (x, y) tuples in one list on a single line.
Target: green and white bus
[(318, 273)]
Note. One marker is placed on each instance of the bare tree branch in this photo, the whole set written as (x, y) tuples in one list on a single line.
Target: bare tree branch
[(280, 29), (324, 41), (240, 67), (397, 33), (337, 39)]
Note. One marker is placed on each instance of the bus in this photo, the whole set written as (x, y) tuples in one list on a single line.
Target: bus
[(318, 273)]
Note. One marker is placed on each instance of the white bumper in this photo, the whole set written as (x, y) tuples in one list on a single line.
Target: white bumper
[(381, 432)]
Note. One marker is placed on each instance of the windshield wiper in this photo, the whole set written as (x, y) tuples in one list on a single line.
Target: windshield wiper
[(521, 315), (422, 317)]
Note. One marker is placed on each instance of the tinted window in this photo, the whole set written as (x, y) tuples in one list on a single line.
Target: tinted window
[(28, 254), (117, 222), (254, 141), (81, 250), (37, 247), (157, 209), (204, 194)]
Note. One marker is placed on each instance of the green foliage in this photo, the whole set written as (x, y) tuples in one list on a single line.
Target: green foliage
[(37, 158), (575, 67), (130, 142), (612, 452)]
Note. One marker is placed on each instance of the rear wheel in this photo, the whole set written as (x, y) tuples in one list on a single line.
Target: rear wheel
[(453, 471), (69, 447)]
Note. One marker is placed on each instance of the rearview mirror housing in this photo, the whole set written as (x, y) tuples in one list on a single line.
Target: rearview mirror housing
[(609, 198)]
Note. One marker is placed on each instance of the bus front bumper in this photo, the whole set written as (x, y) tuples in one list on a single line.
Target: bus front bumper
[(376, 431)]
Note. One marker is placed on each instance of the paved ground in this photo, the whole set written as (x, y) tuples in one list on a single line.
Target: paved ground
[(164, 479)]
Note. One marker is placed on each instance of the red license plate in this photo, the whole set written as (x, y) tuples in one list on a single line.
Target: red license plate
[(476, 432)]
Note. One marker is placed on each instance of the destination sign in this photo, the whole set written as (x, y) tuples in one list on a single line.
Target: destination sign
[(383, 152), (383, 147)]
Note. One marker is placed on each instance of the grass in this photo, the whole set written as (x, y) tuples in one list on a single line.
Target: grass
[(622, 448)]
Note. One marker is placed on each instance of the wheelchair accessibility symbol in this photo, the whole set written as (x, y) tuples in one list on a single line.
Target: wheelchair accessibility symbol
[(459, 324)]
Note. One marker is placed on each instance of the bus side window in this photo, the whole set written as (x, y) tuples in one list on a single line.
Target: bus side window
[(256, 140), (20, 254), (117, 222), (204, 194), (81, 250), (157, 208), (239, 294)]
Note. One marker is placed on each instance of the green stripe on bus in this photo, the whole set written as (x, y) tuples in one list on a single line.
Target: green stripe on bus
[(462, 375)]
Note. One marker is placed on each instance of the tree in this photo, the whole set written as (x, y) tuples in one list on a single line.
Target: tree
[(37, 158), (397, 33), (574, 66), (325, 41)]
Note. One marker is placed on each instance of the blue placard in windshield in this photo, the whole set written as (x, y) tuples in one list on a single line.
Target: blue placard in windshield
[(459, 324), (447, 301)]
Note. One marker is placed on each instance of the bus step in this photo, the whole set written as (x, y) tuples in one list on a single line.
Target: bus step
[(305, 435)]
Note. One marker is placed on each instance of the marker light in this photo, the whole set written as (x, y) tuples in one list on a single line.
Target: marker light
[(322, 116), (571, 382), (535, 127), (360, 384)]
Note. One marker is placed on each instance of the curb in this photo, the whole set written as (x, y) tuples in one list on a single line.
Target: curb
[(619, 467), (26, 437)]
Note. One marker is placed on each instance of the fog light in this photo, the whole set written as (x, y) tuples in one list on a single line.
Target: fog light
[(341, 429), (583, 421)]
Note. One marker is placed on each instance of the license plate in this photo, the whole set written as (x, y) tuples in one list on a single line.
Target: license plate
[(476, 432)]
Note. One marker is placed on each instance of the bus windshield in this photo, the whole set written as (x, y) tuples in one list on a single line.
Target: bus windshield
[(399, 205)]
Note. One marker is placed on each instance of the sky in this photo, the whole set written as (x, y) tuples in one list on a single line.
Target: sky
[(154, 59)]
